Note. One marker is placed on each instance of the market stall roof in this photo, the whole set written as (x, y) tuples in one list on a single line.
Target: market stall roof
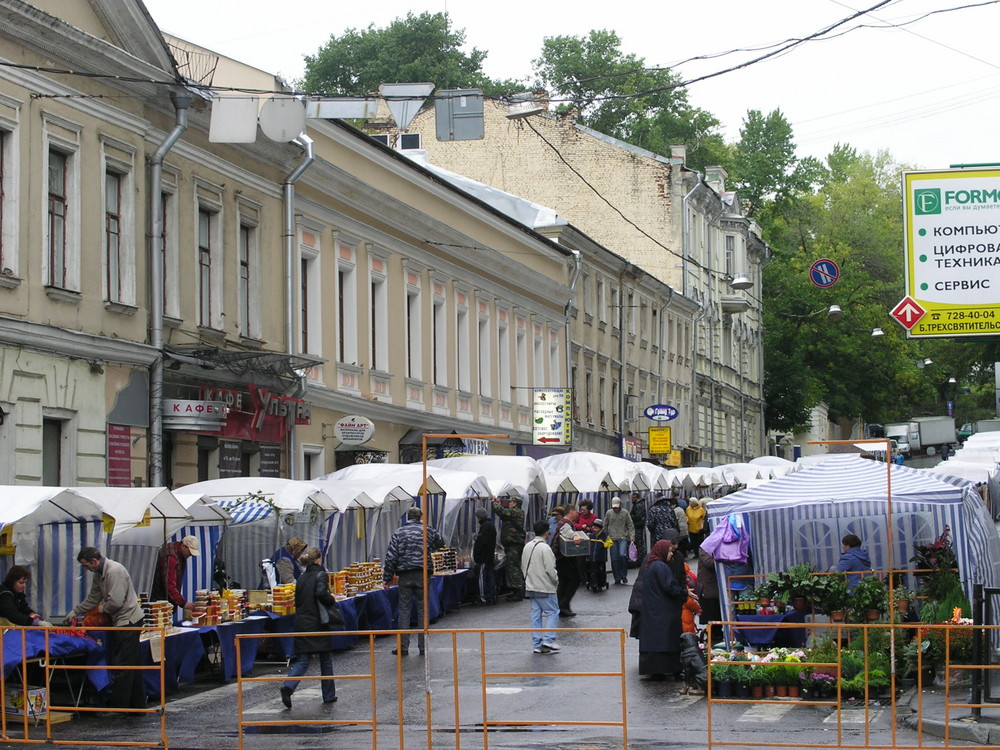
[(655, 476), (39, 505), (504, 474), (977, 473), (203, 510), (980, 439), (742, 473), (583, 471), (286, 496), (448, 482), (693, 476), (779, 467), (143, 515)]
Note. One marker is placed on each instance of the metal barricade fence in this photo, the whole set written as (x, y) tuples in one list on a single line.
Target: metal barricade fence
[(908, 649), (47, 662), (486, 675)]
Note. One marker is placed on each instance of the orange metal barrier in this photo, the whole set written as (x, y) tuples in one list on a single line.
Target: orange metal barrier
[(27, 722), (485, 676), (843, 633)]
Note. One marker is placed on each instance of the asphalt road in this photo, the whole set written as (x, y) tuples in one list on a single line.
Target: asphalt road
[(538, 690)]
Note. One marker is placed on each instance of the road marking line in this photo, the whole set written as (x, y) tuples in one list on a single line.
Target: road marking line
[(854, 716), (766, 713)]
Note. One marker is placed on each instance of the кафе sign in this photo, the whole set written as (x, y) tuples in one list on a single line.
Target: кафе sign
[(256, 414)]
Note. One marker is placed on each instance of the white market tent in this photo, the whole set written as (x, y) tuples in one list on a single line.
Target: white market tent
[(265, 512), (49, 525), (741, 473), (452, 496), (688, 478), (802, 517), (143, 515), (507, 476), (778, 466), (579, 475)]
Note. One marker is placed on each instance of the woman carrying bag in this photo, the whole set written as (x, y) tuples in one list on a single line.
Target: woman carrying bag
[(315, 610)]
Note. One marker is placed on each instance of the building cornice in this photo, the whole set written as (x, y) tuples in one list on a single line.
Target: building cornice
[(74, 344)]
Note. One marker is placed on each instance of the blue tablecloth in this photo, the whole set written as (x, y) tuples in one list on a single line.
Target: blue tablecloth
[(60, 645), (181, 654), (352, 609), (775, 636), (225, 635)]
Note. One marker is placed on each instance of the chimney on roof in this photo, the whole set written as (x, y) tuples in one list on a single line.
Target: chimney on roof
[(716, 178), (678, 155)]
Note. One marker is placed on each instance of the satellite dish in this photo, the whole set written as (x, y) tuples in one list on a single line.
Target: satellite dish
[(282, 119)]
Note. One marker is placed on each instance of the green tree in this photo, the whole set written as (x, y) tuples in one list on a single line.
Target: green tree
[(765, 170), (414, 49), (617, 94)]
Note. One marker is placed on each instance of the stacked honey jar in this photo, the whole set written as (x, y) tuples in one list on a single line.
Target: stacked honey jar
[(445, 561), (283, 599), (156, 615), (357, 579)]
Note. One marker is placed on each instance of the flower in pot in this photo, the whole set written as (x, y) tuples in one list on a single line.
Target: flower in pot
[(870, 597), (797, 585)]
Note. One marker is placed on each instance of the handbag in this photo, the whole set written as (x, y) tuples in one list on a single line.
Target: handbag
[(329, 614)]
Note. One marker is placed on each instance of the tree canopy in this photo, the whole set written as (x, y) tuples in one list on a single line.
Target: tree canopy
[(618, 94), (414, 49)]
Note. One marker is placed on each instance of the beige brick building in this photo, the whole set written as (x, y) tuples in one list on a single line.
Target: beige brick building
[(681, 227)]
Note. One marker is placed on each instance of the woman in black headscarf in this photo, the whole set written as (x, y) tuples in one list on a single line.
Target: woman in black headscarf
[(660, 599)]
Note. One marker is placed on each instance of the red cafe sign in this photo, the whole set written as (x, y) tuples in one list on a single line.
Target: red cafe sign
[(257, 414)]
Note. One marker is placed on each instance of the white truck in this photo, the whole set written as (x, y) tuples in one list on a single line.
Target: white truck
[(923, 434), (900, 432)]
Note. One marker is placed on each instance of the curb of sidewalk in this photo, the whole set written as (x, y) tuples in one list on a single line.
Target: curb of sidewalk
[(964, 729)]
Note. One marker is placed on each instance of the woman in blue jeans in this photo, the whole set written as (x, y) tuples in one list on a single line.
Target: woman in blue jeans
[(312, 591)]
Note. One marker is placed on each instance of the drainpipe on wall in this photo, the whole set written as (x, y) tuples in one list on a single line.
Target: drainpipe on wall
[(181, 100), (577, 269), (659, 364), (288, 236)]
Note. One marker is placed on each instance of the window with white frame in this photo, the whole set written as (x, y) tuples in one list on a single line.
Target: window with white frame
[(554, 371), (378, 301), (602, 302), (439, 342), (207, 219), (588, 397), (538, 357), (503, 356), (730, 254), (119, 221), (414, 339), (61, 260), (348, 317), (614, 404), (9, 246), (248, 281), (463, 348), (601, 394), (310, 305), (484, 342), (521, 362), (171, 252)]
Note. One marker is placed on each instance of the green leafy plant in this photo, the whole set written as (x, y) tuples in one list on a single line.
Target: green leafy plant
[(937, 565), (831, 592), (870, 594), (796, 582)]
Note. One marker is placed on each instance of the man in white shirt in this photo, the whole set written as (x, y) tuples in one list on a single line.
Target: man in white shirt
[(538, 565)]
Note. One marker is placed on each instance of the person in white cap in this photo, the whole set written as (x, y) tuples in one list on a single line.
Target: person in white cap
[(620, 529), (171, 564)]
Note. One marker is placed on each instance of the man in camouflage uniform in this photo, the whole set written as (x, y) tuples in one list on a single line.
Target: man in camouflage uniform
[(660, 518), (512, 538)]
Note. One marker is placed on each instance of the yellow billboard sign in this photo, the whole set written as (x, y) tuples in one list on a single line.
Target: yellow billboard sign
[(659, 440)]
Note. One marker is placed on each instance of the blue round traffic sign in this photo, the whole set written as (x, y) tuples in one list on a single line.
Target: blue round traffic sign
[(824, 272)]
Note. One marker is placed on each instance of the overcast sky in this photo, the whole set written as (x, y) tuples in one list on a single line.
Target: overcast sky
[(928, 92)]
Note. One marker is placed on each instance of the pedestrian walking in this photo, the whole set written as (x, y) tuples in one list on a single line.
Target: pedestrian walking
[(620, 529), (313, 600), (541, 582), (404, 560), (638, 513), (567, 566), (660, 518)]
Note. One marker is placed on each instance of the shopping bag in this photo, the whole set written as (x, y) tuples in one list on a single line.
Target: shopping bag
[(633, 553)]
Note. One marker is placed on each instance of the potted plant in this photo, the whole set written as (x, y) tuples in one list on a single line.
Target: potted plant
[(764, 592), (869, 598), (901, 598), (832, 594), (796, 585), (760, 677), (723, 678)]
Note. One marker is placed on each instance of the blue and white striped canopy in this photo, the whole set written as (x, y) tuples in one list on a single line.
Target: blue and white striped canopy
[(802, 517)]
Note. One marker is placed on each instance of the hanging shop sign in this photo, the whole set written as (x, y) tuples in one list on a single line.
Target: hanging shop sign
[(659, 441), (631, 448), (660, 412), (185, 414), (119, 455), (354, 430), (257, 414), (552, 416)]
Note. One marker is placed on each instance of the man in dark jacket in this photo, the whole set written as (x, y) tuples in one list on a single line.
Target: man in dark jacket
[(660, 518), (854, 557), (512, 538), (638, 513), (484, 548), (405, 558)]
